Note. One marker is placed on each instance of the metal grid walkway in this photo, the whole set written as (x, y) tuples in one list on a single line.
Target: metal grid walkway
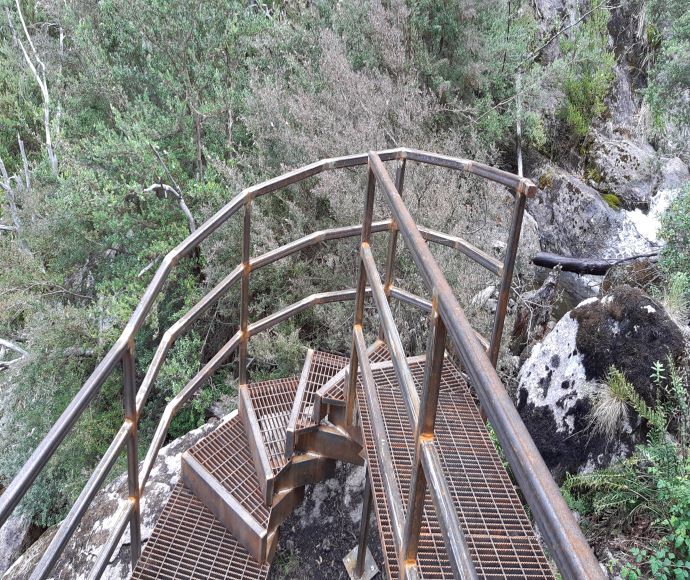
[(272, 402), (323, 367), (189, 543), (225, 454), (333, 392), (497, 530)]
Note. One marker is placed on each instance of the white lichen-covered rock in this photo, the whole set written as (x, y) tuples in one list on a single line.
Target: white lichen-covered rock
[(557, 383), (86, 544)]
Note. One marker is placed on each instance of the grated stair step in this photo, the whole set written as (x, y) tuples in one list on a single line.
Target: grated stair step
[(190, 543), (319, 368), (218, 470), (332, 393), (499, 534)]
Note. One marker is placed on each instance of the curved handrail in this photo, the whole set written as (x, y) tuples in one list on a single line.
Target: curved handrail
[(123, 349)]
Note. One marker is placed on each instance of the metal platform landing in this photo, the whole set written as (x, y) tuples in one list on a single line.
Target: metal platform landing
[(189, 543), (496, 527)]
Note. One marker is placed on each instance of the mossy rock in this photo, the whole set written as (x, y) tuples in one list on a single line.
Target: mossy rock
[(613, 201)]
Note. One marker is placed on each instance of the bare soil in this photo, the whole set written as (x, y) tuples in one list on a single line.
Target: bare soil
[(324, 528)]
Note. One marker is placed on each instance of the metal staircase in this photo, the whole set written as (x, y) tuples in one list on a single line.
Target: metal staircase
[(445, 505)]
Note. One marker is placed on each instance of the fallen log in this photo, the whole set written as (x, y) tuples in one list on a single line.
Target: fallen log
[(597, 267)]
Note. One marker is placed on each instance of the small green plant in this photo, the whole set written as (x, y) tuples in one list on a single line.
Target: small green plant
[(653, 485), (612, 200)]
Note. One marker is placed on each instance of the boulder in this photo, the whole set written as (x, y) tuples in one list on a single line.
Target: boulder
[(93, 531), (622, 168), (572, 217), (674, 174), (557, 383), (15, 536)]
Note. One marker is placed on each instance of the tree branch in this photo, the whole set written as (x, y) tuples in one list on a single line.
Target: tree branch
[(180, 201), (13, 346)]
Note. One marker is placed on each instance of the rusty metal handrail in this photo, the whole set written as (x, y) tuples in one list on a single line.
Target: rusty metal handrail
[(123, 350), (568, 545)]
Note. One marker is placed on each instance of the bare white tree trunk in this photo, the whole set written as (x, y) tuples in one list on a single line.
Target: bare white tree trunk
[(39, 71)]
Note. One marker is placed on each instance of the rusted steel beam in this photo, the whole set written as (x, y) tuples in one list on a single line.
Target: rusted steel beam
[(390, 331), (472, 252), (423, 304), (297, 406), (244, 292), (312, 240), (393, 238), (507, 277), (287, 312), (351, 384), (262, 466), (171, 335), (458, 552), (517, 184), (364, 526), (130, 408), (383, 451), (568, 545), (187, 392)]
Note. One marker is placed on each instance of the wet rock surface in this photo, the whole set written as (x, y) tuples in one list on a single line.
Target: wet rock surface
[(556, 385)]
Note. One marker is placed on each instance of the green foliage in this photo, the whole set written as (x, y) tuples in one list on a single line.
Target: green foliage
[(675, 231), (653, 484), (669, 79), (587, 71)]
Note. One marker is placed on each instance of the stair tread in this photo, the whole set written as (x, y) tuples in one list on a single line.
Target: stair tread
[(272, 402), (225, 454), (333, 391), (322, 368), (498, 533), (189, 543)]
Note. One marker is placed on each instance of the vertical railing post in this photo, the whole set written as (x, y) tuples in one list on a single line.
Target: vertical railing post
[(393, 238), (350, 395), (244, 292), (364, 526), (507, 276), (130, 408), (424, 430)]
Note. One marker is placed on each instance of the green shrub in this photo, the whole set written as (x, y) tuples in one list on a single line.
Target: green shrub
[(675, 231), (652, 485)]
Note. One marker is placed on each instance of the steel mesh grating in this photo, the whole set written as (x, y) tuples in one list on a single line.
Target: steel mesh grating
[(497, 530), (324, 366), (272, 402), (336, 391), (189, 543), (225, 454)]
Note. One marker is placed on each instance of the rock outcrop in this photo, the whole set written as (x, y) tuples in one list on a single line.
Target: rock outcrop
[(94, 530), (623, 168), (625, 329)]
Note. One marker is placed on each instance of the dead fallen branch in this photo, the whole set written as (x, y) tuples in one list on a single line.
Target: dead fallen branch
[(597, 267)]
